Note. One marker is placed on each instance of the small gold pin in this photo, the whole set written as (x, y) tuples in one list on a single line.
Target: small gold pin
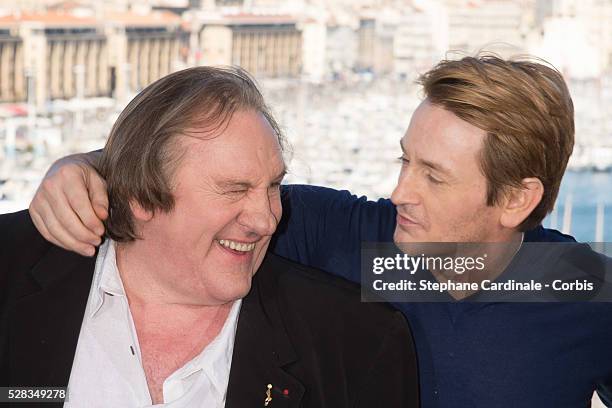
[(268, 395)]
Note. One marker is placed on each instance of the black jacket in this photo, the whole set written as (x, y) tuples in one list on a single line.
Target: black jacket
[(301, 330)]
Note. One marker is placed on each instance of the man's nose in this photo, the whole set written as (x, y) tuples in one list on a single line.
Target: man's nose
[(407, 189), (259, 215)]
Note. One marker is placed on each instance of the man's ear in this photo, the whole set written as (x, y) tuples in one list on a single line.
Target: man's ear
[(140, 214), (519, 202)]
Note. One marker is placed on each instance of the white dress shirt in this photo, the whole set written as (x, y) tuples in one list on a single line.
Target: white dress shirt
[(107, 368)]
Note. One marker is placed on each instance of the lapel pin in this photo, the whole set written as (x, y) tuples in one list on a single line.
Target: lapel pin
[(268, 395)]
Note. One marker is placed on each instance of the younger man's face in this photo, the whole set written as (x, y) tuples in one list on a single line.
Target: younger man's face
[(441, 191)]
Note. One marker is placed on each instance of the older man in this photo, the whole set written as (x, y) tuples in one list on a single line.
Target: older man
[(180, 308), (482, 161)]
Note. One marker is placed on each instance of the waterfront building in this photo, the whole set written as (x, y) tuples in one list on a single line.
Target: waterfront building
[(375, 41), (264, 45), (500, 26), (421, 39), (145, 48), (61, 56), (12, 73), (340, 48)]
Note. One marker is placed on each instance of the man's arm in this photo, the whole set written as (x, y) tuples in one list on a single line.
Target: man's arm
[(321, 227), (324, 228)]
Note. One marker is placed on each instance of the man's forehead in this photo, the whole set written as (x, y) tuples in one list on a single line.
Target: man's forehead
[(443, 142), (436, 127), (239, 141)]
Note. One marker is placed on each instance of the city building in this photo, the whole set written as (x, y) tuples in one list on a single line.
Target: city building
[(421, 39), (56, 55), (366, 44), (56, 49), (314, 40), (264, 45), (499, 26), (145, 48), (340, 49), (575, 35), (375, 41), (12, 72)]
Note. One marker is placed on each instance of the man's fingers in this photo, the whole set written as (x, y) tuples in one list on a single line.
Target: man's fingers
[(101, 213), (79, 201), (98, 194), (67, 193), (72, 221), (57, 233), (53, 203)]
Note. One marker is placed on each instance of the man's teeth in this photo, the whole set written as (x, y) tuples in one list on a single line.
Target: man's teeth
[(237, 245)]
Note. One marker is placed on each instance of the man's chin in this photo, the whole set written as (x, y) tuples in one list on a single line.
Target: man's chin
[(400, 237), (412, 248), (232, 293), (420, 244), (427, 248)]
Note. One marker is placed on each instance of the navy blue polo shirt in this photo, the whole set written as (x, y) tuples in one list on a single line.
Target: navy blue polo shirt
[(470, 354)]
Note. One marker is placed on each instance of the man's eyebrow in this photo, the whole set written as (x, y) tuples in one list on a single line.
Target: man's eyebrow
[(434, 166), (234, 183)]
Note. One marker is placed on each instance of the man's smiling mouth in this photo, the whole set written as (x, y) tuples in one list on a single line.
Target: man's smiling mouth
[(237, 246)]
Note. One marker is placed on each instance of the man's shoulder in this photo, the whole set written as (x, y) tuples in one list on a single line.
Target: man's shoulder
[(18, 235), (559, 256), (365, 350), (21, 246), (541, 234), (566, 251), (16, 225), (329, 299), (307, 195)]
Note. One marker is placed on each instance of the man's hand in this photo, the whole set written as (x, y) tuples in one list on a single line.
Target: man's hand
[(71, 203)]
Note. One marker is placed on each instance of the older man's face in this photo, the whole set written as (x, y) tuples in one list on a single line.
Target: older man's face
[(227, 206), (441, 191)]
